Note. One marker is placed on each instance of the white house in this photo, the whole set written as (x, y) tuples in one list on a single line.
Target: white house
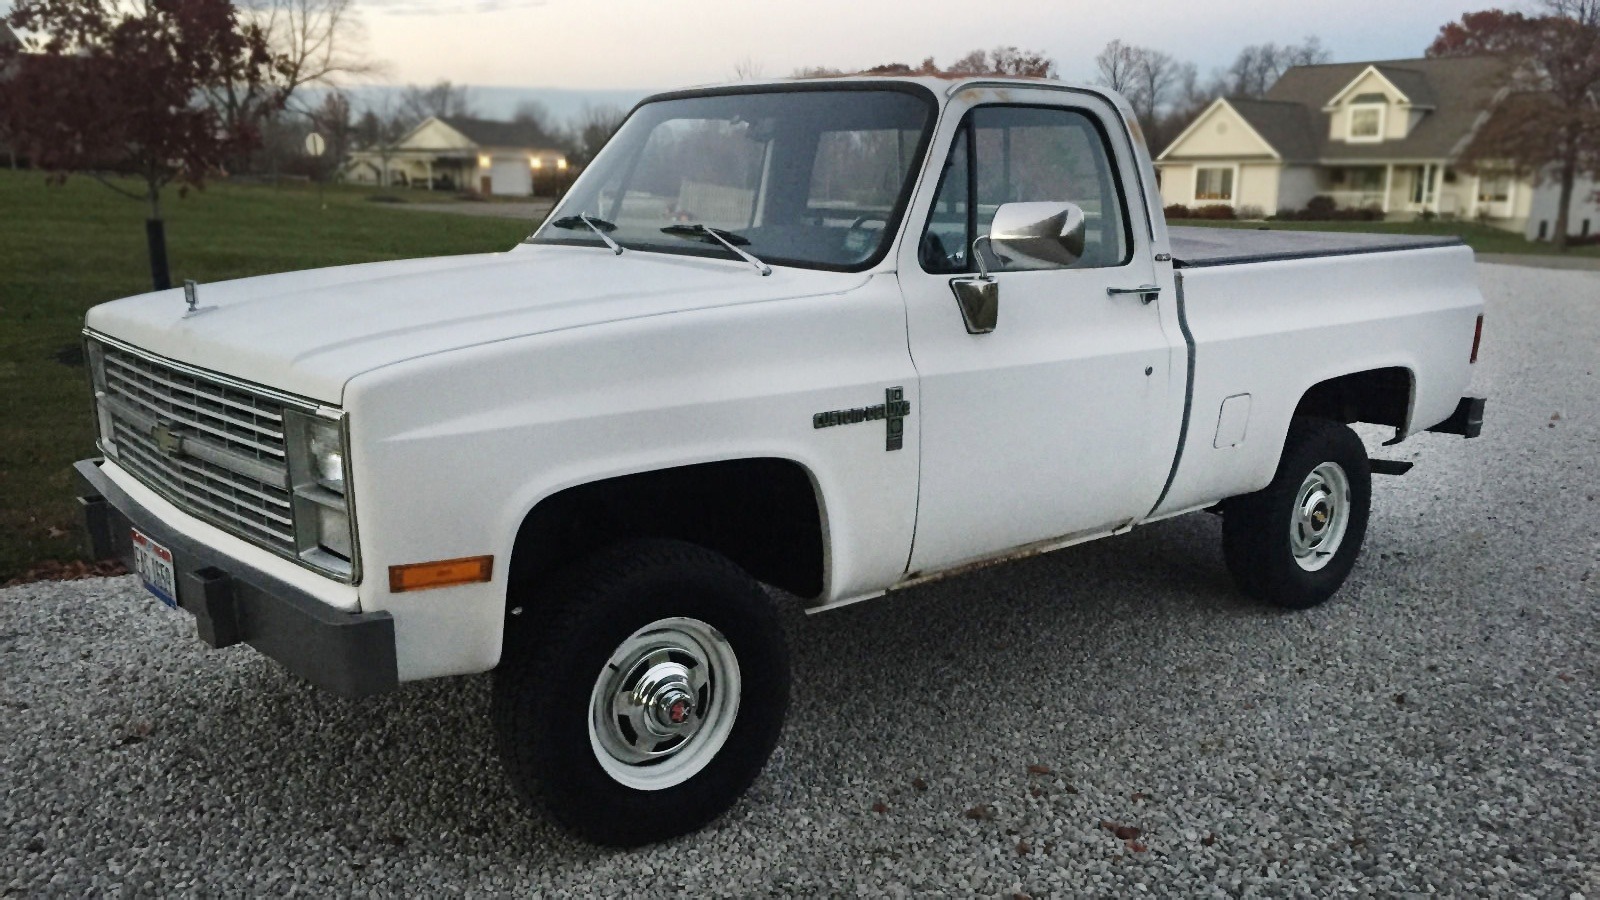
[(461, 153), (1385, 135), (1583, 213)]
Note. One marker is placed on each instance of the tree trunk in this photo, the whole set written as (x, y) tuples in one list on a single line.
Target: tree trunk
[(1569, 174), (155, 233)]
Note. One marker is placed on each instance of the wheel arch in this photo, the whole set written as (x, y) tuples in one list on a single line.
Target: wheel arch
[(766, 514), (1378, 396)]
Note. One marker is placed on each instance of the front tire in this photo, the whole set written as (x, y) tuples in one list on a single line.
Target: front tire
[(647, 695), (1294, 542)]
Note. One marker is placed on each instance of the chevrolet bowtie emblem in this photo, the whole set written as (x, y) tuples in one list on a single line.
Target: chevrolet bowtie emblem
[(168, 443)]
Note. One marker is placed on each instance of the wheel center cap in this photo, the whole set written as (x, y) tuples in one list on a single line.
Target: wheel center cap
[(673, 707)]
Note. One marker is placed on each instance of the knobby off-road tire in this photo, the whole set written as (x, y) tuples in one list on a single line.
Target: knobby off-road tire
[(1294, 542), (645, 694)]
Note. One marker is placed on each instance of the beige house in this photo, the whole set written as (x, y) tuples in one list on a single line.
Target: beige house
[(460, 153), (1383, 135)]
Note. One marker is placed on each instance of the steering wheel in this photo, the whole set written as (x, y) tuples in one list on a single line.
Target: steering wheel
[(864, 242), (862, 220)]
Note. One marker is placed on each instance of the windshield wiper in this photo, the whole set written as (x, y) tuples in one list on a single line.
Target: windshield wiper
[(596, 225), (726, 238)]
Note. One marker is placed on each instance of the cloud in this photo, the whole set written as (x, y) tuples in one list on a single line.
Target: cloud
[(446, 7)]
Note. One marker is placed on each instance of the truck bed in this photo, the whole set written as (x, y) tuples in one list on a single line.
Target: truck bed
[(1199, 247)]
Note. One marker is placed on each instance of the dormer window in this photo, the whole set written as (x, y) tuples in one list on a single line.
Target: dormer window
[(1366, 114)]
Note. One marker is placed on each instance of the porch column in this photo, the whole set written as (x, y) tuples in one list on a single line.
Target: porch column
[(430, 173), (1477, 188), (1388, 186)]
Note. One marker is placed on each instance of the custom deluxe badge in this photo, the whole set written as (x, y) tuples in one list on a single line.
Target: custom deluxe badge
[(893, 411)]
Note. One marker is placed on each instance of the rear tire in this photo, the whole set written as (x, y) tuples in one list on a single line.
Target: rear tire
[(646, 695), (1294, 542)]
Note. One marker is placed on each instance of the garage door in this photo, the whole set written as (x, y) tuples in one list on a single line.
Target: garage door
[(511, 177)]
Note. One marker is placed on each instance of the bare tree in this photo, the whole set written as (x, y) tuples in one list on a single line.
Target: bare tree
[(816, 72), (438, 99), (533, 112), (1115, 64), (311, 42), (747, 69), (976, 62), (379, 129), (1004, 60), (1259, 66), (591, 129)]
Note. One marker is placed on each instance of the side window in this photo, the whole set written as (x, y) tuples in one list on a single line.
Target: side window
[(1009, 154)]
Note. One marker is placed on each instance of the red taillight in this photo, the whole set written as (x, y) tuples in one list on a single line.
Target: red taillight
[(1477, 338)]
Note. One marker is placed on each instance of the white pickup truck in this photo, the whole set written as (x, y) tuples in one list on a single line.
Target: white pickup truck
[(835, 337)]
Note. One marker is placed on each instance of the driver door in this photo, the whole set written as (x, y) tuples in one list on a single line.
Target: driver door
[(1047, 427)]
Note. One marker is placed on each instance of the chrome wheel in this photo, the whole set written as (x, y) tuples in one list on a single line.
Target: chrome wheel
[(664, 704), (1321, 516)]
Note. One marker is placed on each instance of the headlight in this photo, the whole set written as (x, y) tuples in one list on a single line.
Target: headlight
[(97, 384), (325, 449), (323, 525)]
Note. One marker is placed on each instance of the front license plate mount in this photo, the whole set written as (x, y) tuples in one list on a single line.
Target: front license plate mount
[(153, 563)]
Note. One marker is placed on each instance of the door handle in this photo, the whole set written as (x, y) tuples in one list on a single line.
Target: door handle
[(1146, 292)]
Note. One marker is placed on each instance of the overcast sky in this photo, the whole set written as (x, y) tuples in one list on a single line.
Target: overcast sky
[(590, 44)]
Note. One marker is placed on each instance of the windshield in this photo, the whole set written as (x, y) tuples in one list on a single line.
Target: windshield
[(814, 178)]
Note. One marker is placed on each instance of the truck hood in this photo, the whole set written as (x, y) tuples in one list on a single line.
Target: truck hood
[(309, 333)]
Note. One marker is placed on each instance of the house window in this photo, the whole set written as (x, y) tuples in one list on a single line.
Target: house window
[(1494, 189), (1215, 183), (1366, 123)]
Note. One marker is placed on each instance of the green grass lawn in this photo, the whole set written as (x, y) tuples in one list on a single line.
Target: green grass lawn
[(65, 249), (1481, 238)]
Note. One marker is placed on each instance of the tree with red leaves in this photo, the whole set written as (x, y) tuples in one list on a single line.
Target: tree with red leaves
[(100, 86), (1549, 124)]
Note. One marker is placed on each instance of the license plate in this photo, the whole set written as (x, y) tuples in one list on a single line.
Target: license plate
[(153, 562)]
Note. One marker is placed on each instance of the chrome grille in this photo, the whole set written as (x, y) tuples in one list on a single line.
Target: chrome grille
[(209, 447)]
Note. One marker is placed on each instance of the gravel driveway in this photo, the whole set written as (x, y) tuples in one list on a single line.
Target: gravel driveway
[(1433, 729)]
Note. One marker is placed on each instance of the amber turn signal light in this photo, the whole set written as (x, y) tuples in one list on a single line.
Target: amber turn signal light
[(444, 573)]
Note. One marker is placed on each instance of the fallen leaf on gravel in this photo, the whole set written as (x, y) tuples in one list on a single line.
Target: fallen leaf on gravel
[(1038, 769), (1139, 797), (1035, 792), (56, 570), (880, 808), (1126, 832), (1137, 847), (1209, 839), (1564, 676), (919, 784), (1070, 789), (1021, 896), (1024, 848), (983, 812)]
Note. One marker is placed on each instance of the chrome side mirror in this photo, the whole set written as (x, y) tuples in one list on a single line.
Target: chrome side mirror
[(1040, 235)]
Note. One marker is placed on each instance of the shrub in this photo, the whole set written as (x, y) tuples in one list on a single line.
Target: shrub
[(1214, 211), (1427, 215), (1321, 207), (1177, 211)]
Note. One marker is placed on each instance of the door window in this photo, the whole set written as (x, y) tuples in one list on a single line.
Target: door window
[(1009, 154)]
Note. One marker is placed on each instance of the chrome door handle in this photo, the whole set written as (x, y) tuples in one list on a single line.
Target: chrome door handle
[(1146, 292)]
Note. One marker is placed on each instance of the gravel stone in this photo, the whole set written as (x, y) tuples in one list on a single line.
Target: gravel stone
[(1432, 729)]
